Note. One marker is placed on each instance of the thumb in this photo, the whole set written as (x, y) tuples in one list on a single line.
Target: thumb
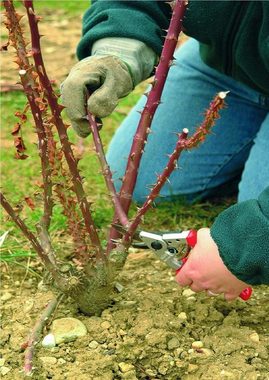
[(103, 101)]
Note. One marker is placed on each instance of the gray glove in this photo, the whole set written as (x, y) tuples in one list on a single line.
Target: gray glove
[(109, 74)]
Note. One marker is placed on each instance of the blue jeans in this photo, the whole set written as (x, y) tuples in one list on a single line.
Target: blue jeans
[(236, 153)]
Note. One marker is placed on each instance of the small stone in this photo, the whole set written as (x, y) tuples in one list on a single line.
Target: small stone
[(119, 287), (17, 284), (61, 361), (67, 329), (188, 292), (93, 344), (163, 369), (126, 367), (254, 337), (49, 341), (4, 370), (28, 305), (6, 296), (173, 343), (192, 368), (182, 316), (2, 362), (105, 325), (197, 344), (150, 372), (191, 299), (48, 360)]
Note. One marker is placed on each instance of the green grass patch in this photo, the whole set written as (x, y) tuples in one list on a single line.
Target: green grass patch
[(66, 7)]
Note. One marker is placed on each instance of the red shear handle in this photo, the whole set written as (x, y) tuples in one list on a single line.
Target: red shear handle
[(191, 241)]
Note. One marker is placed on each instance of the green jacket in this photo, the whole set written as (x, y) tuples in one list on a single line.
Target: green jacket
[(234, 39), (233, 35)]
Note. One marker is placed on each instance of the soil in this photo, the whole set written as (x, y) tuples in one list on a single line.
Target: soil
[(153, 330), (62, 34)]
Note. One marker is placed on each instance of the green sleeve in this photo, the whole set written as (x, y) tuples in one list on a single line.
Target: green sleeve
[(242, 235), (141, 20)]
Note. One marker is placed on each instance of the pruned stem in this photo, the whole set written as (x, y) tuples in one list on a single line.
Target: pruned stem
[(36, 332), (154, 96), (152, 103), (183, 143), (106, 171), (61, 128)]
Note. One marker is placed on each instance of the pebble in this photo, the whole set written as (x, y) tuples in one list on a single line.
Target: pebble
[(173, 343), (6, 296), (254, 337), (48, 360), (61, 361), (67, 329), (188, 292), (163, 369), (182, 316), (2, 362), (49, 341), (4, 370), (105, 325), (126, 367), (197, 344), (191, 299), (93, 344), (28, 305)]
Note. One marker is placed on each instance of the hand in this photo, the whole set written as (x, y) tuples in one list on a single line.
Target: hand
[(205, 270), (107, 78)]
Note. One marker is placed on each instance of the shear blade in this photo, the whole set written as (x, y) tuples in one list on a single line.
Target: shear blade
[(123, 230)]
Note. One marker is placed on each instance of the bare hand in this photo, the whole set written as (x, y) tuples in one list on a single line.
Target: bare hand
[(205, 270)]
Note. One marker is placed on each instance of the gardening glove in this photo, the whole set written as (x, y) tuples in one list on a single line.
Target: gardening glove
[(115, 67), (205, 270)]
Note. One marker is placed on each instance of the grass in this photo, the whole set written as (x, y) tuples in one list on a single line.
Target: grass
[(19, 178)]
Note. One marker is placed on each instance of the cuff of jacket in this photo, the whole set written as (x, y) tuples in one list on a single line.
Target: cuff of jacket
[(139, 58), (242, 235)]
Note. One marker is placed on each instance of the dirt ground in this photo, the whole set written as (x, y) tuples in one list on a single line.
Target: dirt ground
[(61, 33), (150, 331)]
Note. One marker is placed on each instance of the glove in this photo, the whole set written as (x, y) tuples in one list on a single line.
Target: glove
[(113, 70)]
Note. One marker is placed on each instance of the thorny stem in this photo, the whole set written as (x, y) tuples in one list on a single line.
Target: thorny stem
[(106, 171), (183, 143), (36, 332), (154, 96), (61, 128), (33, 94), (152, 103)]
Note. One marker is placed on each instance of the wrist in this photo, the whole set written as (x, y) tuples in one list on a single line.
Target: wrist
[(138, 57)]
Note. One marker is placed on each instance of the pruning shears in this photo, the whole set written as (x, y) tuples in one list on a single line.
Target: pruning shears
[(172, 248)]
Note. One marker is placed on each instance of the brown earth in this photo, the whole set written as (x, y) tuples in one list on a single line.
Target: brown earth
[(58, 47), (149, 331)]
